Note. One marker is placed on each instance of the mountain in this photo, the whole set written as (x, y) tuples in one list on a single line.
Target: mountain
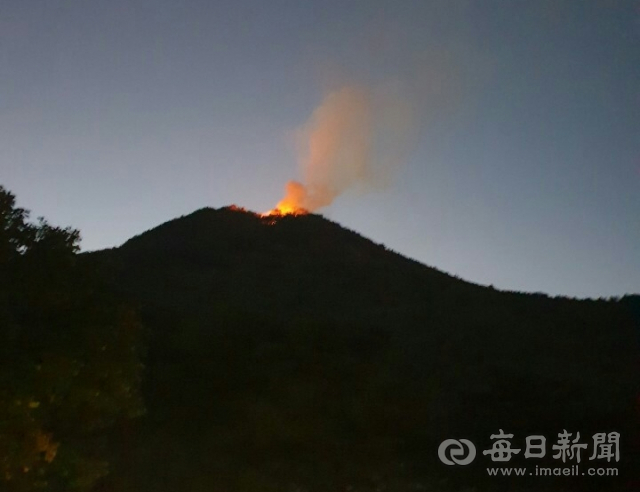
[(289, 353)]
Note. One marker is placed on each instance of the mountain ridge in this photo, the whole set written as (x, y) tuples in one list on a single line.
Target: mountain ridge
[(265, 219), (299, 318)]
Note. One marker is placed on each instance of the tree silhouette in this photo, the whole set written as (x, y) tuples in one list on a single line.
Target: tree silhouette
[(69, 357)]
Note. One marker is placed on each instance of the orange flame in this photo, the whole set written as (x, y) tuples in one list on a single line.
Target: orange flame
[(336, 151), (284, 209), (291, 204)]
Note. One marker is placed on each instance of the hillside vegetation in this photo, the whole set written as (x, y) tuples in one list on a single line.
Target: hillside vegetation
[(288, 353)]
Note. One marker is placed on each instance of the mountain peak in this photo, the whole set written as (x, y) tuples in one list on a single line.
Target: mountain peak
[(300, 261), (250, 313)]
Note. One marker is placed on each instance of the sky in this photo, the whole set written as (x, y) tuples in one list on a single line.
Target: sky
[(520, 167)]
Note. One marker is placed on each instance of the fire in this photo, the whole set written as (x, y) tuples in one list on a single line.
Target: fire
[(353, 138), (335, 152), (285, 208), (292, 202)]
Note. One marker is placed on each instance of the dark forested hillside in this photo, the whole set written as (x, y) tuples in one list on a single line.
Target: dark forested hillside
[(288, 353)]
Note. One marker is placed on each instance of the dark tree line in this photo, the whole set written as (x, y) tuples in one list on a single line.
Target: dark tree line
[(69, 358)]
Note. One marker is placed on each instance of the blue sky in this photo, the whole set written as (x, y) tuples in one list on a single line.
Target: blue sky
[(524, 164)]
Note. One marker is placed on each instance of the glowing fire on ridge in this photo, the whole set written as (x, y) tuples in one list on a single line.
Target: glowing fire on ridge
[(292, 202), (353, 138), (284, 211), (285, 208)]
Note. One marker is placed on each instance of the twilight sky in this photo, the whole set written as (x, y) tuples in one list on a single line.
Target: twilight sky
[(521, 168)]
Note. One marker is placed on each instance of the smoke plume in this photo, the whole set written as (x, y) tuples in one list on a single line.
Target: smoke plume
[(356, 137)]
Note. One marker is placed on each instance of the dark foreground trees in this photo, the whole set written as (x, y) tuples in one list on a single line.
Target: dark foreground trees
[(69, 358)]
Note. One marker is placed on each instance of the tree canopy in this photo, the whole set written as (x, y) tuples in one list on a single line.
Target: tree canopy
[(70, 357)]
